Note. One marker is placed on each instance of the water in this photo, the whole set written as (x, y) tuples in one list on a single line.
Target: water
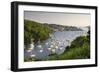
[(58, 41)]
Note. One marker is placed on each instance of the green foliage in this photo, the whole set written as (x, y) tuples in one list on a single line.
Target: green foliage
[(82, 52), (36, 31), (79, 49), (79, 41), (30, 59)]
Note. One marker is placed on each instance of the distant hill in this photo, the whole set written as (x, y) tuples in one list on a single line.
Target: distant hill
[(62, 27)]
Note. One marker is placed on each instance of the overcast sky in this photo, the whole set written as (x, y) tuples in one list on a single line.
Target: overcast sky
[(68, 19)]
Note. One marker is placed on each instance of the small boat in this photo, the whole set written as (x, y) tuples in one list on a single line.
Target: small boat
[(46, 43), (53, 50), (59, 42), (49, 48), (33, 55), (39, 46), (31, 46), (50, 35), (56, 47), (61, 48), (29, 50), (40, 50)]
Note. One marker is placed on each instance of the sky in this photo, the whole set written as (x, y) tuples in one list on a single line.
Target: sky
[(67, 19)]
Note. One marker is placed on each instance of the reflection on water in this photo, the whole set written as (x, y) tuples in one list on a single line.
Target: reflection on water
[(56, 44)]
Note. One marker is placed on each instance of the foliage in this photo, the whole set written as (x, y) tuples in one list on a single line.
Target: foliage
[(30, 59), (79, 41), (36, 31)]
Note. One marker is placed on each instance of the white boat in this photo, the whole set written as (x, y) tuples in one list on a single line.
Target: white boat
[(33, 55), (53, 50), (49, 49), (46, 43), (31, 46), (51, 46), (56, 47), (29, 50), (61, 48), (39, 46), (40, 50)]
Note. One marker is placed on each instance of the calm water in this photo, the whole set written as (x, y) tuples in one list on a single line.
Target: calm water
[(59, 39)]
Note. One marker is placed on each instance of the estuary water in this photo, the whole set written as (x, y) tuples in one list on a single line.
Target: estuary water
[(56, 44)]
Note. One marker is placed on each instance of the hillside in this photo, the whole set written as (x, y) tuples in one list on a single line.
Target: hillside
[(36, 31)]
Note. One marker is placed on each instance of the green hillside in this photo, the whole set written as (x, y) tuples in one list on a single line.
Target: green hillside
[(36, 31)]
